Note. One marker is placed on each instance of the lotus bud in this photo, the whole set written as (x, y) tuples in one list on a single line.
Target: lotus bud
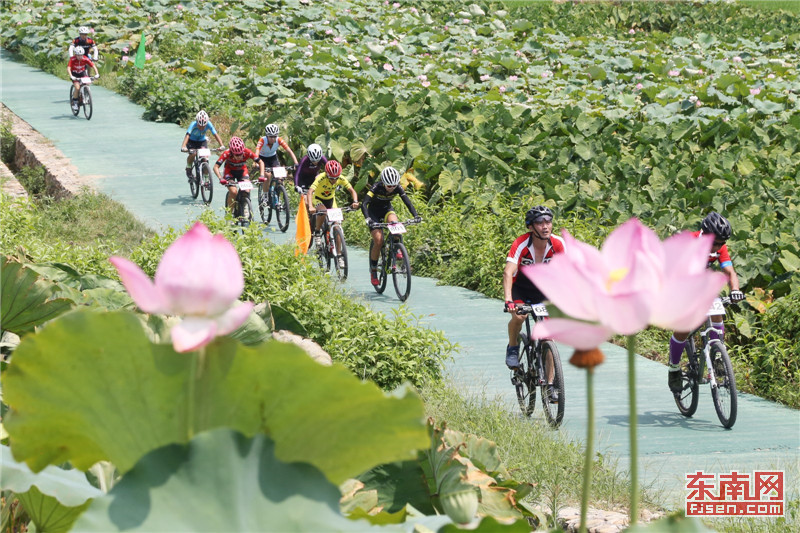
[(460, 506)]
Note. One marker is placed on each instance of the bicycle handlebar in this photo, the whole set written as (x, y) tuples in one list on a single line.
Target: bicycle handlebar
[(194, 150), (387, 224)]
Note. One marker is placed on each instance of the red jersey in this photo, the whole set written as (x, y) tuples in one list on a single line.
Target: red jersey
[(233, 162), (721, 255), (87, 43), (79, 63), (522, 253)]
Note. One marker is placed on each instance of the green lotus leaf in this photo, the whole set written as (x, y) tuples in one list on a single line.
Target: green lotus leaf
[(317, 84), (25, 300), (220, 481), (136, 396)]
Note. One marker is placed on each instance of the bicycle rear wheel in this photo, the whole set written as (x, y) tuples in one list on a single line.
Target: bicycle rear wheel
[(523, 378), (687, 398), (262, 198), (401, 272), (340, 253), (723, 392), (74, 110), (553, 409), (86, 95), (381, 286), (194, 181), (323, 253), (282, 208), (247, 211), (206, 185)]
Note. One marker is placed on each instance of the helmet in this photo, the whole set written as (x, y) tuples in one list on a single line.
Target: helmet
[(79, 51), (236, 145), (314, 152), (83, 29), (390, 177), (202, 119), (534, 213), (716, 224), (271, 130), (333, 169)]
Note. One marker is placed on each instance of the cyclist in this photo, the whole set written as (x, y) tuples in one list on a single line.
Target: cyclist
[(267, 149), (377, 208), (309, 168), (539, 245), (196, 138), (76, 68), (83, 41), (321, 196), (717, 225), (235, 159)]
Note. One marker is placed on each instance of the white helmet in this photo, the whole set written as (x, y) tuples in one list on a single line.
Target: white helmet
[(79, 51), (271, 130), (390, 177), (314, 152), (83, 29), (202, 119)]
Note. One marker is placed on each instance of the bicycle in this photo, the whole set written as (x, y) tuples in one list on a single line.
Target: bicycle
[(719, 374), (393, 259), (275, 199), (332, 247), (201, 182), (242, 207), (534, 356), (84, 97)]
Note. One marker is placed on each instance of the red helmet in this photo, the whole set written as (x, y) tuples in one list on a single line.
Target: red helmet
[(333, 169), (237, 146)]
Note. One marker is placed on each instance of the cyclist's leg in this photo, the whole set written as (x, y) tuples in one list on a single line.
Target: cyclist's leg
[(719, 328), (677, 343), (233, 176), (514, 329), (377, 214), (194, 145), (321, 205), (76, 87), (269, 162)]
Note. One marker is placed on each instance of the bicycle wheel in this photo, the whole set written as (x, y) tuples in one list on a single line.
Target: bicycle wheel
[(206, 184), (282, 208), (401, 272), (723, 392), (263, 204), (381, 286), (323, 254), (194, 181), (553, 412), (523, 378), (687, 399), (247, 211), (340, 253), (86, 96), (74, 110)]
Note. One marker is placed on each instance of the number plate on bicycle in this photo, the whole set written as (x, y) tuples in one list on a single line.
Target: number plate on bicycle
[(245, 185), (716, 308), (203, 152), (540, 310), (279, 172), (86, 80), (335, 215), (397, 228)]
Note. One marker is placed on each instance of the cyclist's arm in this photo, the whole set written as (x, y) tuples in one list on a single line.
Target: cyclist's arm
[(219, 139), (185, 141), (365, 204), (508, 280), (353, 193), (71, 49), (310, 199), (216, 171), (733, 279), (94, 48), (409, 205), (261, 167), (298, 170), (285, 146), (96, 73), (69, 71)]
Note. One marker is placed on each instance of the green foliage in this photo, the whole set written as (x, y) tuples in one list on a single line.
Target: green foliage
[(32, 178), (137, 396), (8, 142)]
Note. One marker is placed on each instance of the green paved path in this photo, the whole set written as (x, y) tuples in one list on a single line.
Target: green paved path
[(138, 164)]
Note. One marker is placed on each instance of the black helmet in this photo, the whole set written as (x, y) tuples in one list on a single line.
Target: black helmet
[(537, 212), (718, 225)]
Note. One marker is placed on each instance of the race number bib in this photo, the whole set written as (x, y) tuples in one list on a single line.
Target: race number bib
[(397, 228), (279, 172), (245, 185), (335, 215), (86, 80), (540, 310), (203, 152), (716, 308)]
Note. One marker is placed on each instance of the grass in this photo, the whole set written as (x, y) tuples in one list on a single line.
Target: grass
[(787, 5)]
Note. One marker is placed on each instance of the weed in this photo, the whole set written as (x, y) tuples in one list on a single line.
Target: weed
[(32, 178)]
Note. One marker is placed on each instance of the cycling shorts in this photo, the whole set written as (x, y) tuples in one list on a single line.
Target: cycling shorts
[(329, 203), (236, 174), (526, 296), (194, 145), (379, 212), (270, 161), (79, 74)]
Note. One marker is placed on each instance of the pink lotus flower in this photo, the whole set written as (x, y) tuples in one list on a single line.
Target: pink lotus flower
[(422, 77), (328, 31), (199, 278), (475, 51), (125, 59), (737, 59), (239, 52), (547, 74), (502, 89), (337, 39), (512, 78), (367, 59), (387, 66), (674, 72), (179, 7), (393, 42), (639, 86), (633, 281), (631, 31), (425, 83), (770, 76), (465, 21), (147, 56), (446, 28), (518, 53), (754, 91), (485, 77), (396, 5), (125, 49), (414, 10)]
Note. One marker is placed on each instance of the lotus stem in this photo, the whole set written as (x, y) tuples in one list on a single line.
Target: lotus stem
[(632, 417), (588, 460)]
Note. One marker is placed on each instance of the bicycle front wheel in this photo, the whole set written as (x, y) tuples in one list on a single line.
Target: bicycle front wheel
[(522, 379), (381, 286), (206, 184), (194, 182), (264, 204), (247, 211), (401, 272), (552, 397), (282, 208), (687, 398), (74, 110), (340, 253), (86, 95), (723, 389)]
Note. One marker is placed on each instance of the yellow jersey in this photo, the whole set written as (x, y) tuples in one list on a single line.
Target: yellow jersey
[(324, 189)]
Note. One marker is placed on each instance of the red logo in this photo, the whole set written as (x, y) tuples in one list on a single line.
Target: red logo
[(735, 494)]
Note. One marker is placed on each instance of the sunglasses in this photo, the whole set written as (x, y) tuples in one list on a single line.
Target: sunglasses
[(543, 219)]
